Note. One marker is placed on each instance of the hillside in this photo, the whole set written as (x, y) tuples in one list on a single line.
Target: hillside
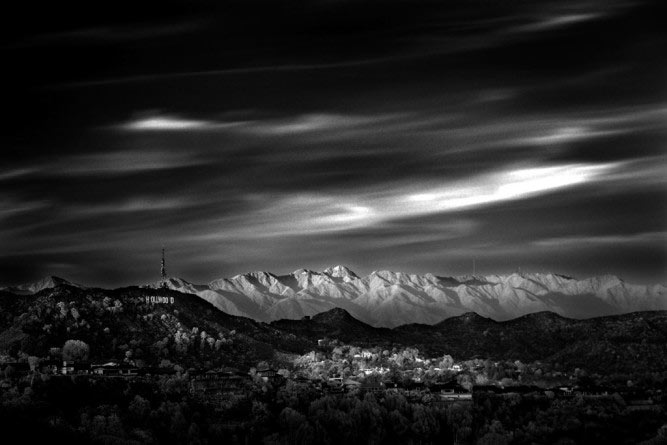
[(119, 323), (614, 343), (621, 343), (337, 324)]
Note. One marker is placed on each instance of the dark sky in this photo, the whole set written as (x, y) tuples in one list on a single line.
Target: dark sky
[(406, 135)]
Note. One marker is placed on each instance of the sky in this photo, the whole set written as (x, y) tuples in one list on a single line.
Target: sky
[(417, 136)]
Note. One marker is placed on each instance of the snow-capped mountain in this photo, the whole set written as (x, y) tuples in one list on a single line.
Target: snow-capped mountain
[(45, 283), (389, 299)]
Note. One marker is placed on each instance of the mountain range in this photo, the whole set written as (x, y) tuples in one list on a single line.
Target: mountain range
[(390, 299)]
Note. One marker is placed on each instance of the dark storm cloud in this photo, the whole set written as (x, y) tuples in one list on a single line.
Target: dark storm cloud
[(407, 135)]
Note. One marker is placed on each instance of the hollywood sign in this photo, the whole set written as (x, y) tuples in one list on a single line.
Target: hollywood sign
[(159, 300)]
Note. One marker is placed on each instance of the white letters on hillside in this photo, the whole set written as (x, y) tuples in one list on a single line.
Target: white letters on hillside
[(159, 300)]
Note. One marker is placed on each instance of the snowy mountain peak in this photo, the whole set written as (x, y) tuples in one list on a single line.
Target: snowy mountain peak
[(385, 274), (339, 272), (47, 282), (172, 283), (298, 272)]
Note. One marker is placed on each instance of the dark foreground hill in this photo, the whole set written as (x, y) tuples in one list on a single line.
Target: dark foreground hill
[(152, 326), (605, 344), (629, 342)]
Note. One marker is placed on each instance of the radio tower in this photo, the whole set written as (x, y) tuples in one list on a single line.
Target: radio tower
[(163, 270)]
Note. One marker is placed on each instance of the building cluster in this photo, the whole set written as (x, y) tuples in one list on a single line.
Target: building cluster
[(222, 387), (110, 368)]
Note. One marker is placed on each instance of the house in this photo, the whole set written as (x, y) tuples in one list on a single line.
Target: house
[(112, 368), (351, 384), (486, 389), (49, 366), (108, 368), (269, 375), (74, 368), (566, 390), (445, 399), (215, 387), (335, 385), (19, 369), (375, 370), (372, 387), (301, 381), (156, 371)]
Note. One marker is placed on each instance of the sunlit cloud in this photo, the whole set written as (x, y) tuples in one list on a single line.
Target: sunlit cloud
[(581, 241), (507, 185), (165, 123), (270, 126), (313, 213)]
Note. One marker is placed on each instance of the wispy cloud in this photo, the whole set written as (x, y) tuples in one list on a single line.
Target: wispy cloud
[(14, 173), (271, 126), (10, 207), (313, 213), (564, 135), (581, 241), (308, 123), (166, 123), (558, 21), (121, 162), (132, 205)]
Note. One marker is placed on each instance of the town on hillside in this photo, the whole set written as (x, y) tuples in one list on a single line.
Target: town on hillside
[(343, 372)]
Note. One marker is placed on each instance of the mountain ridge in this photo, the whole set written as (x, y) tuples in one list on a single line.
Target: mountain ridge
[(386, 298)]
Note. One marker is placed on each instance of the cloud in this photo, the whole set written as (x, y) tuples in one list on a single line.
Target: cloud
[(11, 174), (122, 162), (11, 207), (582, 241), (132, 205), (317, 213), (166, 123), (563, 135), (272, 126), (558, 21), (313, 122)]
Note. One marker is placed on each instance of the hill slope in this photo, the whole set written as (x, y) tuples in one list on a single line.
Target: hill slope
[(151, 325), (623, 343)]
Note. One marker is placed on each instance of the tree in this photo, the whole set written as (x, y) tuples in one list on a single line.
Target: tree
[(33, 362), (76, 350), (139, 408), (9, 371), (446, 362)]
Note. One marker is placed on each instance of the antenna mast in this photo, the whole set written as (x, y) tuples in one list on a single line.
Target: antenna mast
[(163, 270)]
